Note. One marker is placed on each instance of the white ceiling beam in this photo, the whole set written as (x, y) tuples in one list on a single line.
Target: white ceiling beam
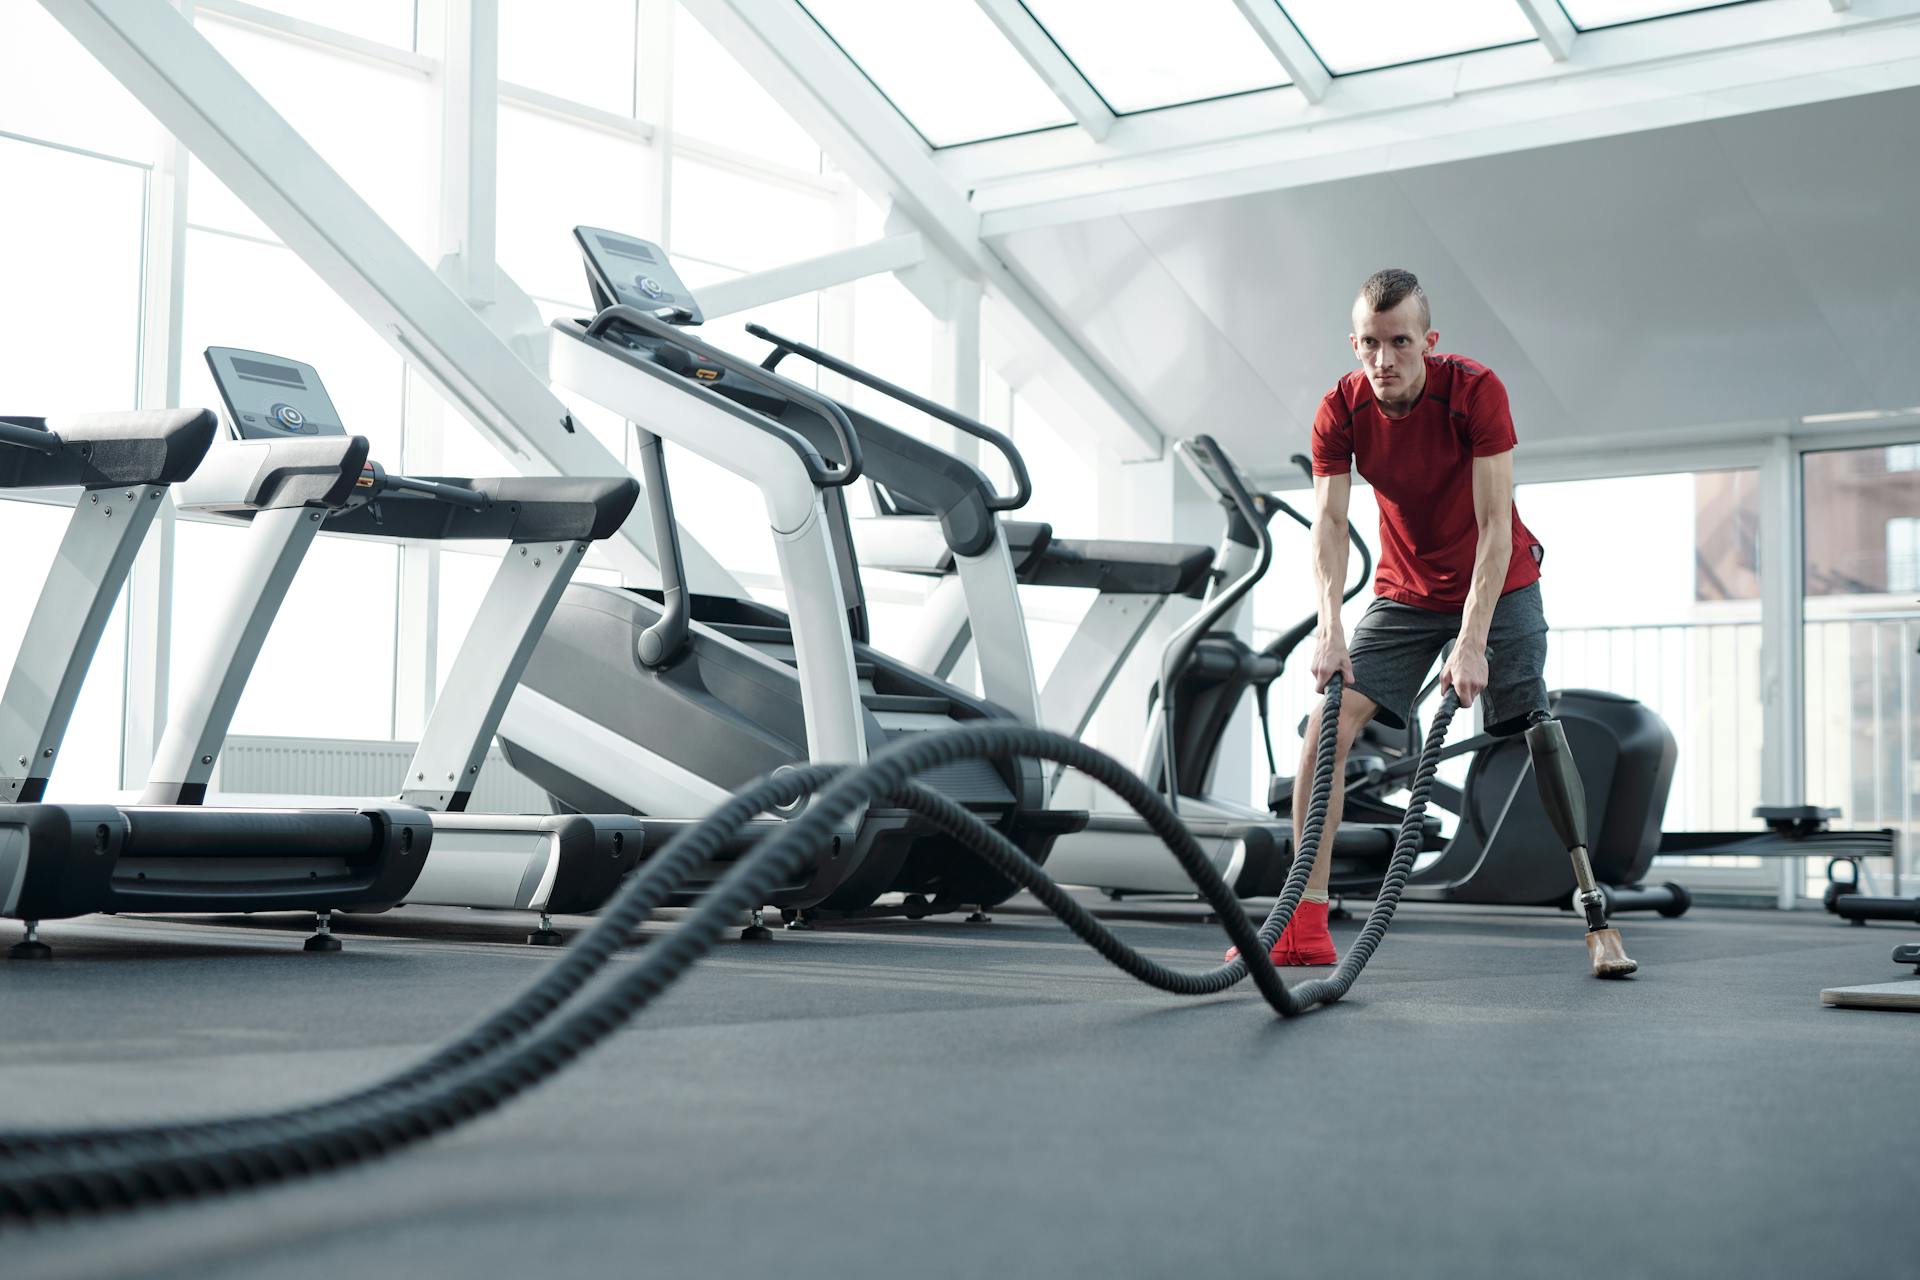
[(1551, 23), (1037, 46), (1309, 75), (1704, 66), (744, 293), (224, 121), (788, 54)]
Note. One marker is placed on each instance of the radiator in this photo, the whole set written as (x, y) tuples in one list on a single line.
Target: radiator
[(349, 767)]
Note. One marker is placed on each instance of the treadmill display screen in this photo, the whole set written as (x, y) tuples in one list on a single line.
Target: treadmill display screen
[(279, 375), (637, 274), (626, 248)]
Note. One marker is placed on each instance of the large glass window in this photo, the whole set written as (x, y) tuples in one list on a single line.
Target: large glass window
[(1862, 626), (556, 175), (385, 21), (715, 100), (944, 65), (326, 670), (52, 88), (1142, 54), (1382, 33), (68, 261), (582, 50)]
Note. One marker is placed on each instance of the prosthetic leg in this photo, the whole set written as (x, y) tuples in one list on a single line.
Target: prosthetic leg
[(1565, 801)]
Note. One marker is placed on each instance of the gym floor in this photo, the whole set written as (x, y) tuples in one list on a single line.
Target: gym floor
[(938, 1098)]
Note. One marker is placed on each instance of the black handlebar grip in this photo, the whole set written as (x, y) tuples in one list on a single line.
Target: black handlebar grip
[(1561, 794)]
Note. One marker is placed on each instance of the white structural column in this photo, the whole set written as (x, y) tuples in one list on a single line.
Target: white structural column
[(653, 101), (1076, 94), (785, 50), (469, 145), (1782, 683), (1550, 22), (1309, 75), (149, 618)]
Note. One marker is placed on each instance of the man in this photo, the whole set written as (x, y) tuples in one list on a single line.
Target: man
[(1433, 435)]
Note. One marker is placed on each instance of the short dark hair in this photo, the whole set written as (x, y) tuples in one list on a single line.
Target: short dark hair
[(1385, 290)]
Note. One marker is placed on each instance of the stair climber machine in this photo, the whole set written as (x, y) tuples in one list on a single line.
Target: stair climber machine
[(290, 472), (49, 1173), (1133, 581), (62, 860), (663, 702)]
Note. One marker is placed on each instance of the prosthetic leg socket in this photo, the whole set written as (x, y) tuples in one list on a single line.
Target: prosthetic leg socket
[(1566, 805)]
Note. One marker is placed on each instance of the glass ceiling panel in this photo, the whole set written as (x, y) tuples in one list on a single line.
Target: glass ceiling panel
[(1142, 54), (944, 64), (1364, 35), (1588, 14)]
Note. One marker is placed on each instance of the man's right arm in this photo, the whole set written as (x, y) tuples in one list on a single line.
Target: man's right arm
[(1330, 545)]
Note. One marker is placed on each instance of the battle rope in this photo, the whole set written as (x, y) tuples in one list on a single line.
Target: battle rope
[(58, 1172)]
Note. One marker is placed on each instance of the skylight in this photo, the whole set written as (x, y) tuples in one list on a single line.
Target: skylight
[(1143, 54), (1588, 14), (944, 65), (1352, 37)]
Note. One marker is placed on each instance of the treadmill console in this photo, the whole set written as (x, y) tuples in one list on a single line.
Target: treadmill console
[(634, 273), (270, 398)]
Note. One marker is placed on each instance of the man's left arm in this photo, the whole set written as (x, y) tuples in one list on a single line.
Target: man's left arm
[(1466, 671)]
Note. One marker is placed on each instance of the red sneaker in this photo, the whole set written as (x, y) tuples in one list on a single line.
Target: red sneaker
[(1305, 943)]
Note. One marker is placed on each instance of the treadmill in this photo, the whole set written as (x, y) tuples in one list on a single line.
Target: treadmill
[(662, 702), (290, 472), (62, 860)]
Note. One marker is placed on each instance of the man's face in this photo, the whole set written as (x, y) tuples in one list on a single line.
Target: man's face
[(1392, 346)]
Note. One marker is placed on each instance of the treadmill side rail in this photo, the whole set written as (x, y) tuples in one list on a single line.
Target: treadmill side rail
[(69, 860)]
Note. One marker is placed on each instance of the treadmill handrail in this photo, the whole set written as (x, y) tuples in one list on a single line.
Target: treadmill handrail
[(1023, 483), (835, 415), (1180, 648), (39, 439)]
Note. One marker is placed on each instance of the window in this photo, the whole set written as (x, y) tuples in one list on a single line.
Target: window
[(1860, 632), (69, 261), (326, 670), (1903, 457), (944, 65), (385, 21), (582, 50), (1142, 54), (52, 88), (1588, 14), (556, 175), (1903, 554), (1384, 33), (716, 101)]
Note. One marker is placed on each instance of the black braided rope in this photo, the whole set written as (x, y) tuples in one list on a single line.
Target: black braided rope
[(543, 1030)]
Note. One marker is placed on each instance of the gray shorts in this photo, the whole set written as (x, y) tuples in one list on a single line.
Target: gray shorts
[(1395, 644)]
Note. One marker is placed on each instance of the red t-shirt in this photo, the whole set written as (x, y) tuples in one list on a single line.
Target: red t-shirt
[(1421, 470)]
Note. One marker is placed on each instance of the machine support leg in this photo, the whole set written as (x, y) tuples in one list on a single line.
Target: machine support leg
[(322, 939), (30, 947), (756, 930), (546, 935), (1565, 802)]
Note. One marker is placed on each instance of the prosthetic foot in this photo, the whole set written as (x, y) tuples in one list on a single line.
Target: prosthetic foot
[(1566, 805)]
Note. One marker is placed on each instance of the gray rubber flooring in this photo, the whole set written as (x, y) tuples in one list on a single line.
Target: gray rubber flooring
[(943, 1099)]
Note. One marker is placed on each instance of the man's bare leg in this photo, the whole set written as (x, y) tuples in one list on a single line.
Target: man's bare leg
[(1355, 710)]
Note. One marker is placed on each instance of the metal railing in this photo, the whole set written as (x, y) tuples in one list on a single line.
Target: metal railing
[(1862, 717)]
